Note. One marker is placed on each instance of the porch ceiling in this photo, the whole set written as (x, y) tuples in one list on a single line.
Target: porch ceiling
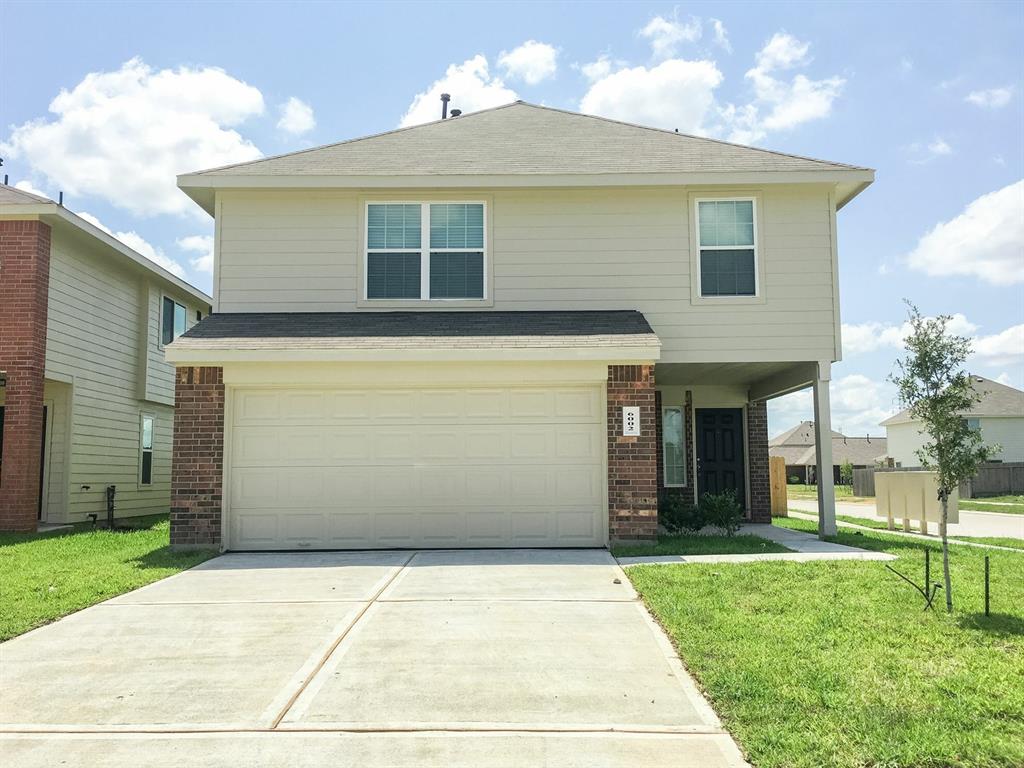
[(723, 373)]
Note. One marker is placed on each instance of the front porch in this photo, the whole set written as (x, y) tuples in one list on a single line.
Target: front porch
[(712, 430)]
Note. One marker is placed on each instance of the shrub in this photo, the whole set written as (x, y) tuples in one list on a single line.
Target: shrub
[(794, 479), (846, 472), (677, 514), (722, 511)]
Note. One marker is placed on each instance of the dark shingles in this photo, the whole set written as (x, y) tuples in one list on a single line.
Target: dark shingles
[(305, 325)]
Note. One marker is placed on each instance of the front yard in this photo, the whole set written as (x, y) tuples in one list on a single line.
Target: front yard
[(49, 575), (835, 663)]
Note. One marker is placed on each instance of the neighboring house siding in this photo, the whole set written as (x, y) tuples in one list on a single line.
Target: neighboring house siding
[(1006, 432), (97, 340), (624, 248)]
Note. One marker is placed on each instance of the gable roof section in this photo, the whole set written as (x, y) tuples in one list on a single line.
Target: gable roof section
[(800, 435), (17, 202), (527, 143), (860, 451), (997, 400)]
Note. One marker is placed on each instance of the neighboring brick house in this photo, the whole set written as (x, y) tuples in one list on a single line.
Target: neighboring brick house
[(510, 328), (86, 398)]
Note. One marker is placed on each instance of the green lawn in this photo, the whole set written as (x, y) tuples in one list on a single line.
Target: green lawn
[(696, 544), (979, 505), (836, 664), (46, 576), (801, 491), (1008, 499)]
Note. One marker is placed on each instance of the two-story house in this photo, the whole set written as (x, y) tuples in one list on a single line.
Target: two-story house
[(86, 397), (510, 328)]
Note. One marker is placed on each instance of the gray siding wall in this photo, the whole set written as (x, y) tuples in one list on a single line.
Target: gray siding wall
[(301, 250), (102, 345)]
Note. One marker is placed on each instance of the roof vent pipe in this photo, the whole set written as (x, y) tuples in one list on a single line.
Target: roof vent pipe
[(445, 98), (456, 112)]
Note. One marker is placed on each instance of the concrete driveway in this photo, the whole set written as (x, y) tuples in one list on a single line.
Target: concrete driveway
[(496, 658)]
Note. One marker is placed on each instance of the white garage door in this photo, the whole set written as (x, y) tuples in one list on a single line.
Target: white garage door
[(474, 467)]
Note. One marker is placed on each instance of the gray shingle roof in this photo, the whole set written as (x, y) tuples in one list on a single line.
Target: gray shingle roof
[(523, 138), (14, 196), (800, 435), (860, 451), (996, 400), (262, 330)]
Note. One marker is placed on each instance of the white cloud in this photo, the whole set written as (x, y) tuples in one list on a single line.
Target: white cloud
[(123, 136), (296, 117), (906, 65), (721, 35), (138, 243), (859, 338), (26, 186), (1006, 379), (985, 241), (1000, 349), (938, 146), (201, 245), (531, 62), (990, 98), (471, 86), (781, 103), (859, 403), (673, 94), (665, 35), (595, 70)]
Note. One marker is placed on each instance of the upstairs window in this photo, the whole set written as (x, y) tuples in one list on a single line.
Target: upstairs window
[(425, 251), (172, 321), (727, 247)]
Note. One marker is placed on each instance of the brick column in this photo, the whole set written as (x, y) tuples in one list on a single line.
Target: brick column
[(632, 461), (24, 292), (757, 462), (197, 465)]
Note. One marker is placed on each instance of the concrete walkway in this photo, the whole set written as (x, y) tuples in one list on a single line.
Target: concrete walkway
[(971, 523), (806, 548), (435, 659)]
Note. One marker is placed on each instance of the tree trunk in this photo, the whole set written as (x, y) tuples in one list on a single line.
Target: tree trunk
[(947, 585)]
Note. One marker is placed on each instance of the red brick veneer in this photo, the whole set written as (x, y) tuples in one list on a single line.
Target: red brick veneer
[(757, 462), (197, 467), (632, 461), (24, 292)]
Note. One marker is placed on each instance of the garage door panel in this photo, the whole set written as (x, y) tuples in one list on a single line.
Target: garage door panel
[(444, 467)]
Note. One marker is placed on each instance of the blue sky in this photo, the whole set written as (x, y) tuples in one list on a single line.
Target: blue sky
[(108, 101)]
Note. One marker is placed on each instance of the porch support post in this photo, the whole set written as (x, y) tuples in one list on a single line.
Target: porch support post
[(823, 444)]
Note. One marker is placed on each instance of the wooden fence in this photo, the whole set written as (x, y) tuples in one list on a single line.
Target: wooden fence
[(777, 481), (1000, 479)]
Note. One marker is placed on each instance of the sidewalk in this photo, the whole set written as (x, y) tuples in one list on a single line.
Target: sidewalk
[(806, 548), (971, 523)]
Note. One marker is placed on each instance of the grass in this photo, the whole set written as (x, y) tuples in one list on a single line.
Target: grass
[(801, 491), (867, 522), (835, 663), (46, 576), (700, 544), (1018, 499), (979, 505)]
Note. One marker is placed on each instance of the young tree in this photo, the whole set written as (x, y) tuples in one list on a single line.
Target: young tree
[(938, 392)]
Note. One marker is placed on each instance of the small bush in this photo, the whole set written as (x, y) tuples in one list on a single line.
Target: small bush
[(722, 511), (794, 479), (677, 514), (846, 472)]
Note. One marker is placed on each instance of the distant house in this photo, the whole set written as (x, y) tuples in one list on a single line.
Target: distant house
[(999, 415), (797, 447)]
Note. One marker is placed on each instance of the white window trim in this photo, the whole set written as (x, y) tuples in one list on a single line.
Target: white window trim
[(152, 449), (664, 453), (424, 250), (757, 248), (160, 319)]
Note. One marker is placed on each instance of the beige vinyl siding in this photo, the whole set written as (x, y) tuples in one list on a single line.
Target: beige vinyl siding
[(101, 341), (905, 439), (626, 248)]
